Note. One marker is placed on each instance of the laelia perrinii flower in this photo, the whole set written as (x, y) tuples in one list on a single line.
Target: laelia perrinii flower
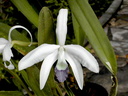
[(5, 49), (73, 55), (6, 45)]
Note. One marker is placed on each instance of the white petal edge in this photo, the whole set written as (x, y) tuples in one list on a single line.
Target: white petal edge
[(19, 26), (3, 43), (36, 55), (7, 52), (10, 66), (61, 28), (83, 56), (76, 68), (46, 67)]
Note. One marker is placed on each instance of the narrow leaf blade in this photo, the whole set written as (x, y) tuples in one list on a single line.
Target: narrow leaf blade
[(93, 30), (27, 10), (11, 93)]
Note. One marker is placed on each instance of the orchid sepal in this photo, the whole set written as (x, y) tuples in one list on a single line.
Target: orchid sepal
[(61, 29), (83, 56), (36, 56)]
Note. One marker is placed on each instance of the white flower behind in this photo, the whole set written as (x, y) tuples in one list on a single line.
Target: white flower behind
[(73, 55), (5, 49), (6, 45)]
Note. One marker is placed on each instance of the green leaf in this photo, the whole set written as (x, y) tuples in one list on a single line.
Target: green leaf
[(11, 93), (94, 32), (4, 30), (33, 78), (78, 32), (27, 10), (46, 33), (16, 82)]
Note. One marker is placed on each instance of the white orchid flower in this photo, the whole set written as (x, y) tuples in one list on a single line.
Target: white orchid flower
[(73, 55), (5, 49), (6, 45)]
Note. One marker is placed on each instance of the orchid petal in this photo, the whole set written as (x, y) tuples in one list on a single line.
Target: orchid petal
[(10, 66), (36, 55), (46, 67), (7, 52), (76, 68), (3, 43), (19, 26), (61, 29), (83, 56)]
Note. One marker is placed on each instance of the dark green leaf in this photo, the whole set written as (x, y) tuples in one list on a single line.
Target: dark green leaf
[(94, 32), (27, 10), (45, 27), (33, 80), (11, 93), (78, 32)]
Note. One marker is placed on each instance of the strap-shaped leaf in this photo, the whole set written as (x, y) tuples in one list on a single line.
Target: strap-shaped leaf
[(11, 93), (45, 27), (33, 78), (95, 33), (78, 32), (27, 10)]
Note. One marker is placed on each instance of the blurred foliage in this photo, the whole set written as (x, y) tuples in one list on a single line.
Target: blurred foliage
[(100, 6), (6, 12), (11, 16), (56, 5)]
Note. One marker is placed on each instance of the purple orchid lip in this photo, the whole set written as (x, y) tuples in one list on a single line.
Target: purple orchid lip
[(61, 74)]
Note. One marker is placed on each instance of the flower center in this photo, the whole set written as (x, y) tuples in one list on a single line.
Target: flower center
[(61, 64)]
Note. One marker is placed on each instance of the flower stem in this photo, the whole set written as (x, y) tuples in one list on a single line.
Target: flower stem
[(22, 43)]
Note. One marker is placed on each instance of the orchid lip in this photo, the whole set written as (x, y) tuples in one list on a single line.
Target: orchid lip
[(61, 74), (61, 64)]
